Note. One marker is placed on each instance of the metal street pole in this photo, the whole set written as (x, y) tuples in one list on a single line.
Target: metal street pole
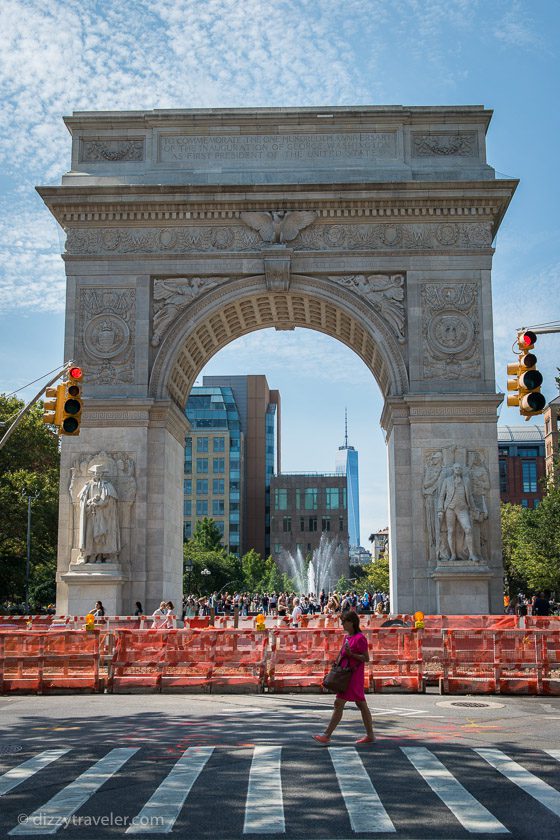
[(28, 559)]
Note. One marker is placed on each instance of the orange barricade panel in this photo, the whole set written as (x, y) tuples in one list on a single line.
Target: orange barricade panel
[(40, 662), (301, 658), (239, 662), (395, 664), (138, 660)]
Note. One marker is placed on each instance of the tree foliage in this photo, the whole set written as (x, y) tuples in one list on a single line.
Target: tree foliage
[(29, 466)]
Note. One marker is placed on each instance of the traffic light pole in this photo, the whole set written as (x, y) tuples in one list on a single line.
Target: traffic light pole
[(30, 405)]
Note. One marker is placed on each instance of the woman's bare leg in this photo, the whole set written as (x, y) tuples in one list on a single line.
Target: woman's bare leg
[(366, 717), (336, 716)]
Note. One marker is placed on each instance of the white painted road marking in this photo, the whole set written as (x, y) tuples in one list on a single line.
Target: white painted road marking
[(160, 812), (264, 807), (28, 768), (471, 814), (362, 801), (535, 787), (50, 817)]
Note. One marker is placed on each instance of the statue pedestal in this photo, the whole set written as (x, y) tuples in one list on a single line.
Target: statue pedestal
[(462, 588), (90, 582)]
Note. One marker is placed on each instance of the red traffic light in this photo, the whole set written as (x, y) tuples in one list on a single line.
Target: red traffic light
[(76, 373), (527, 339)]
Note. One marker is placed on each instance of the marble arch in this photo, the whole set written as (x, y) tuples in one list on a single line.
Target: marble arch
[(187, 229)]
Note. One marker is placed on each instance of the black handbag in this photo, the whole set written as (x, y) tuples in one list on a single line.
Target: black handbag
[(338, 678)]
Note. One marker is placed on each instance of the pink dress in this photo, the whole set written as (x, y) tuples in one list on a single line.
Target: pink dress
[(355, 691)]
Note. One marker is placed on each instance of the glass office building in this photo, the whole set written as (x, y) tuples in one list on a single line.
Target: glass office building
[(214, 464), (346, 463)]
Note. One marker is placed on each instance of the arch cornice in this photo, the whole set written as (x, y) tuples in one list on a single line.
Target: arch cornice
[(238, 307)]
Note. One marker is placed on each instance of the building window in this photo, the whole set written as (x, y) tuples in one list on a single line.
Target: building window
[(187, 507), (281, 498), (218, 507), (344, 498), (298, 498), (187, 530), (528, 452), (202, 444), (202, 507), (287, 524), (218, 486), (219, 465), (187, 486), (525, 503), (536, 503), (312, 523), (219, 444), (503, 476), (326, 523), (202, 465), (332, 498), (202, 487), (341, 523), (301, 523), (277, 548), (220, 526), (188, 466), (529, 476), (310, 498)]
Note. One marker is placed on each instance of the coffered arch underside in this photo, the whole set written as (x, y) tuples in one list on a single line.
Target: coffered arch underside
[(243, 306)]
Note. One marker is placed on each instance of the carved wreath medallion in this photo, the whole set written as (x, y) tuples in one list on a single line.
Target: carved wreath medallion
[(450, 331)]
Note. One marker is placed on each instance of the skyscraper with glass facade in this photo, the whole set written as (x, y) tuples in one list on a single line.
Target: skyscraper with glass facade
[(258, 426), (214, 464), (346, 463)]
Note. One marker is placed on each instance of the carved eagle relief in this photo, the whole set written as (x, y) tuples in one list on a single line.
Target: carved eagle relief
[(280, 225)]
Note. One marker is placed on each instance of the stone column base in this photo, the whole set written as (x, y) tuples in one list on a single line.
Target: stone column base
[(462, 588), (90, 582)]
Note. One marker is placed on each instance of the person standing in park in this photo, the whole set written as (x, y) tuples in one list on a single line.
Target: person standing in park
[(354, 656)]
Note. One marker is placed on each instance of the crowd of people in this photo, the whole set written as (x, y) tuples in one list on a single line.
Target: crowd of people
[(542, 603), (282, 604)]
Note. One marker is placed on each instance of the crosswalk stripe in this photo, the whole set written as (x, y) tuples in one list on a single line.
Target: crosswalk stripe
[(362, 801), (554, 753), (28, 768), (160, 812), (50, 817), (264, 807), (472, 815), (535, 787)]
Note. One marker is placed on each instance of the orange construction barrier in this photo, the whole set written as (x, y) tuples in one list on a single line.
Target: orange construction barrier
[(395, 659), (301, 658), (239, 662), (468, 662), (25, 622), (40, 662), (549, 651)]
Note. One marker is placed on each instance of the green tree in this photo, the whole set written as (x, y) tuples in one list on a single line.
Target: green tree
[(207, 534), (255, 571), (376, 575), (531, 544), (224, 568), (29, 465)]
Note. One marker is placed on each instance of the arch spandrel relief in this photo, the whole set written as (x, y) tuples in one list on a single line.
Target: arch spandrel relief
[(455, 489)]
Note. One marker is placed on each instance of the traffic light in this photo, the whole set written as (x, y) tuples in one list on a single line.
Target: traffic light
[(52, 409), (527, 380), (72, 407)]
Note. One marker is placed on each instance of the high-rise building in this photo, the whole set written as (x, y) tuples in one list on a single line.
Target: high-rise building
[(259, 416), (346, 463), (303, 507), (551, 438), (214, 464)]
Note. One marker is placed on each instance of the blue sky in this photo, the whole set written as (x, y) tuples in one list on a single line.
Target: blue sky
[(57, 56)]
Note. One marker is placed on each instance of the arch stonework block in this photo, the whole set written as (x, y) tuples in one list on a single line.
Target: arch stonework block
[(188, 229)]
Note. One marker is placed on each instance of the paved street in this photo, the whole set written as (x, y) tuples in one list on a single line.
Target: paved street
[(225, 766)]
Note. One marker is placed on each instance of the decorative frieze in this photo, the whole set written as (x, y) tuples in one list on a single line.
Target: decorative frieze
[(450, 331), (107, 321), (279, 226), (235, 238), (445, 144), (111, 151)]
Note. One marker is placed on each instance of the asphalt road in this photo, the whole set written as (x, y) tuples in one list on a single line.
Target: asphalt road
[(230, 766)]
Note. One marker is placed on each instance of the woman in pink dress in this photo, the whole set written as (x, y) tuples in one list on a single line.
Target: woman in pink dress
[(355, 654)]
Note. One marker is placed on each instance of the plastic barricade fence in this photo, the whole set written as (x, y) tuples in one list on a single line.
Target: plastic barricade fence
[(188, 659), (198, 621), (138, 660), (518, 662), (549, 650), (468, 662), (239, 660), (395, 659), (39, 662), (25, 622), (542, 622), (301, 658)]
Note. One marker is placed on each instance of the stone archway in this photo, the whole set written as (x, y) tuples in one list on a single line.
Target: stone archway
[(188, 229)]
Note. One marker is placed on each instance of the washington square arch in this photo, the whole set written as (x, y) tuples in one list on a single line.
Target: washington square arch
[(187, 229)]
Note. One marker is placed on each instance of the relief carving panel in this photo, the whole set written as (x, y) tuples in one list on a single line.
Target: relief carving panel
[(111, 151), (455, 489), (445, 144), (107, 321), (172, 296), (385, 293), (450, 331)]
